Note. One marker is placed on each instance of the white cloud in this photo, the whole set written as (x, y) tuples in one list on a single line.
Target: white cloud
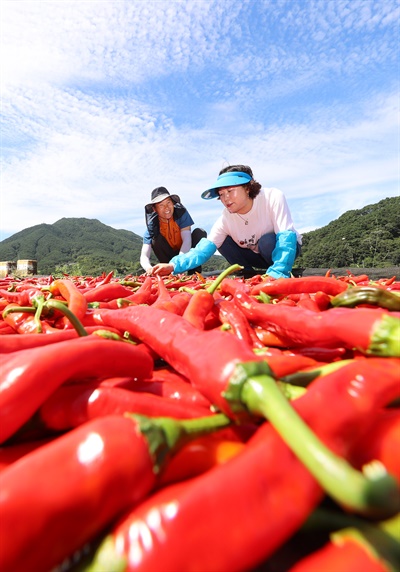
[(103, 101)]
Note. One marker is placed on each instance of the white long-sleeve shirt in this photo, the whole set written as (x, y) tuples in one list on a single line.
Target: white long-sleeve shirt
[(269, 213)]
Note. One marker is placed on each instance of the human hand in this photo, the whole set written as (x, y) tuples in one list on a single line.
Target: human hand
[(162, 269)]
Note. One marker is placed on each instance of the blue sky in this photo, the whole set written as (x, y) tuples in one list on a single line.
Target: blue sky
[(102, 101)]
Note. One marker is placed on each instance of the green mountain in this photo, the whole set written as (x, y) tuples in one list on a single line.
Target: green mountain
[(80, 246), (369, 237), (74, 246)]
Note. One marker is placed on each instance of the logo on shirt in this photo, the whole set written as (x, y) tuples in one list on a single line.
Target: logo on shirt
[(250, 243)]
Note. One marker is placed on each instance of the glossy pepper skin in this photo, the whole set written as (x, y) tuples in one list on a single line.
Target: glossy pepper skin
[(370, 330), (13, 343), (232, 315), (72, 405), (107, 292), (343, 552), (29, 377), (77, 303), (381, 442), (200, 456), (164, 383), (183, 347), (199, 306), (26, 323), (265, 489), (307, 284), (76, 486)]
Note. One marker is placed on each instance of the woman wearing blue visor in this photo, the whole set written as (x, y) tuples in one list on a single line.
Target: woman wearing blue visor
[(254, 230)]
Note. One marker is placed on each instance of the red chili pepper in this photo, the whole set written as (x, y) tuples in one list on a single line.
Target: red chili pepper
[(307, 284), (265, 488), (230, 286), (181, 301), (147, 293), (165, 383), (77, 302), (327, 355), (12, 343), (6, 330), (381, 442), (306, 301), (107, 292), (29, 377), (284, 302), (11, 453), (81, 482), (23, 298), (164, 300), (386, 281), (212, 319), (231, 314), (200, 305), (284, 364), (184, 347), (346, 551), (356, 279), (72, 405), (374, 331), (322, 300), (26, 323), (200, 456), (107, 278), (268, 338)]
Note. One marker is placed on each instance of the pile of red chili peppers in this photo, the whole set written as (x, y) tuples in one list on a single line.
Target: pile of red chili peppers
[(200, 424)]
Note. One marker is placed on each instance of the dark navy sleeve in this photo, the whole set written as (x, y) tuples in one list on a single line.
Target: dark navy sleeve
[(185, 220), (146, 237)]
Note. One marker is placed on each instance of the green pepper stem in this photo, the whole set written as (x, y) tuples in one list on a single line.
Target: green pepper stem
[(23, 309), (107, 335), (373, 492), (291, 391), (385, 339), (381, 539), (166, 435), (304, 378), (214, 285), (103, 556), (56, 305), (39, 303)]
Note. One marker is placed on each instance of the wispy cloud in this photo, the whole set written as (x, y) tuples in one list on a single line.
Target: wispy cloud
[(103, 101)]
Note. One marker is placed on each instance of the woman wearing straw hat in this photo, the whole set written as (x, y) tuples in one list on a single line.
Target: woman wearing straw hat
[(168, 229), (255, 229)]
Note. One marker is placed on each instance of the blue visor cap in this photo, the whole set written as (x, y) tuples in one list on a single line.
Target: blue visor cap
[(230, 179)]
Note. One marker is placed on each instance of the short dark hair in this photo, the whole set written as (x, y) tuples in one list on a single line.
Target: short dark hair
[(253, 186)]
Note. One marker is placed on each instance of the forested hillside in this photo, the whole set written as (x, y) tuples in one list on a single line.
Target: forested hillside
[(76, 246), (369, 237), (80, 246)]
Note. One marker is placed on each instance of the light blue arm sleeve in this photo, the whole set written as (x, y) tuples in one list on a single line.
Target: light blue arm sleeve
[(195, 257), (283, 255)]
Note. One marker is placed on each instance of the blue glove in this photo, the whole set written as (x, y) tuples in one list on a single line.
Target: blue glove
[(283, 255), (195, 257)]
